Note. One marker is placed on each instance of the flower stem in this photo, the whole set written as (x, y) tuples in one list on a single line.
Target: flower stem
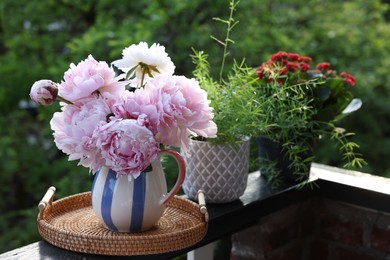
[(230, 24), (64, 100)]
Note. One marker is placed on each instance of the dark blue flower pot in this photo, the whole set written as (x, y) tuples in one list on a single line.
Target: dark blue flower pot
[(272, 152)]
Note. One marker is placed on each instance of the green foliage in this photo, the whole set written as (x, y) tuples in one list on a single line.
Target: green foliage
[(347, 149), (236, 110), (291, 120), (31, 164), (235, 106), (341, 32), (230, 24), (300, 106), (38, 39)]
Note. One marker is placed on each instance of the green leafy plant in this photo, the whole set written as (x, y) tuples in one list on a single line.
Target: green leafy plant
[(300, 107), (233, 95)]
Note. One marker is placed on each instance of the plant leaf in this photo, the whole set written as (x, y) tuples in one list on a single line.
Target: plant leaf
[(354, 105), (323, 93)]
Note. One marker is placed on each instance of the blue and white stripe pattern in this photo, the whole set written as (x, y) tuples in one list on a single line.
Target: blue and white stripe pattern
[(126, 206)]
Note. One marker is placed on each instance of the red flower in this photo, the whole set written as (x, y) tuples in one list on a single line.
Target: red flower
[(331, 73), (260, 72), (279, 56), (348, 78), (283, 71), (293, 56), (305, 59), (323, 66), (291, 66), (304, 66)]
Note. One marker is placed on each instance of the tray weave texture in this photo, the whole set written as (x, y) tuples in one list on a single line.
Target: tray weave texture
[(70, 223)]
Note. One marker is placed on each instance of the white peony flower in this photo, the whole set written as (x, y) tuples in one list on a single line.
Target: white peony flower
[(140, 62)]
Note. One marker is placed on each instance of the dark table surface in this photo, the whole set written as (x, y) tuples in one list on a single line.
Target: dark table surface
[(259, 199)]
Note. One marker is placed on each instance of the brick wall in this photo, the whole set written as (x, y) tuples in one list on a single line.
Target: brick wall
[(316, 229)]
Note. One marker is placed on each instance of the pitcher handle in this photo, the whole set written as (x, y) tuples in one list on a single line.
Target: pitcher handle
[(182, 173)]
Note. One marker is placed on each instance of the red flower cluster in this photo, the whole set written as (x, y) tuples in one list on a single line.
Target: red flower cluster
[(282, 63), (323, 66), (348, 78)]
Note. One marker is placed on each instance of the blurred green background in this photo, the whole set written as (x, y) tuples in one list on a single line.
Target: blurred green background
[(39, 39)]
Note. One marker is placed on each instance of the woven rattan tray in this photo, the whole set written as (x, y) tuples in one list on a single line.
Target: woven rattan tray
[(70, 223)]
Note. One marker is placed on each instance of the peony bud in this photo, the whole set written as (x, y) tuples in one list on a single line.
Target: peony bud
[(44, 92)]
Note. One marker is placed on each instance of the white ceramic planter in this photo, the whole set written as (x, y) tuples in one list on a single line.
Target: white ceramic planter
[(221, 170), (137, 205)]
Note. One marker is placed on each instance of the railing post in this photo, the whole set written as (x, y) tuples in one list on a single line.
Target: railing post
[(203, 253)]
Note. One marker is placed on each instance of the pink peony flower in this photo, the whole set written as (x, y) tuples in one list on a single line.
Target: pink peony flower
[(89, 77), (44, 92), (127, 107), (196, 115), (73, 129), (127, 147), (139, 106), (177, 108)]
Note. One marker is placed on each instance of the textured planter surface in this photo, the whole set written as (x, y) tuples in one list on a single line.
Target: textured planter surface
[(221, 170)]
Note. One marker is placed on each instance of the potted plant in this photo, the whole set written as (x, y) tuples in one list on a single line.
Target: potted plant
[(300, 106), (220, 165)]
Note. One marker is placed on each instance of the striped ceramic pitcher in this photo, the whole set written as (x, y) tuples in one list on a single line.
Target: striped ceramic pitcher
[(137, 205)]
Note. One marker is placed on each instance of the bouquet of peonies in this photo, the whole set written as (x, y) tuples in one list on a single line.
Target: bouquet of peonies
[(121, 121)]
